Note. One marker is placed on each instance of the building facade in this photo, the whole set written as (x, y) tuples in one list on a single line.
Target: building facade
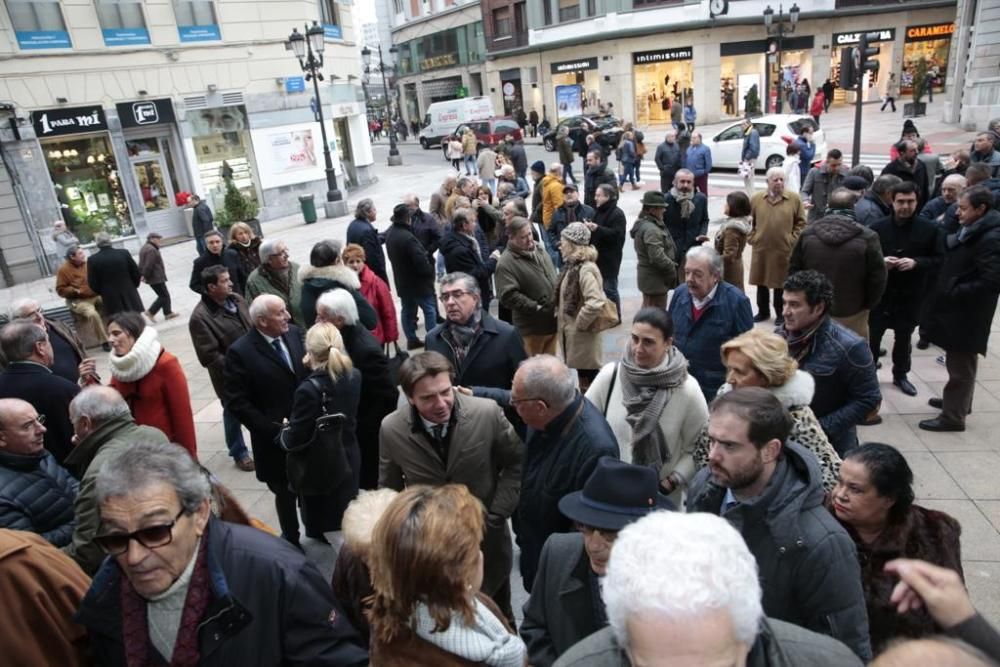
[(576, 56), (974, 100), (115, 110)]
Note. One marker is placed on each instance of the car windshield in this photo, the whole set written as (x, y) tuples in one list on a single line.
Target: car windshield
[(800, 124)]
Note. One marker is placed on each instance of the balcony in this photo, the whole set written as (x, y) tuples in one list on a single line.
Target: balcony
[(505, 42)]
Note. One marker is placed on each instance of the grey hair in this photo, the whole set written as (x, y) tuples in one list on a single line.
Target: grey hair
[(469, 284), (709, 254), (18, 339), (507, 169), (338, 303), (884, 183), (463, 181), (142, 464), (518, 203), (102, 239), (774, 171), (517, 223), (363, 208), (98, 404), (957, 179), (267, 248), (410, 197), (261, 306), (19, 305), (686, 172), (504, 189), (549, 379)]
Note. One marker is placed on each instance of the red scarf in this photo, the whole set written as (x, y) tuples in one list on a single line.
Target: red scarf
[(135, 629)]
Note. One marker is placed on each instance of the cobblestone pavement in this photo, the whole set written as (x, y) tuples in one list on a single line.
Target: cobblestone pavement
[(955, 472)]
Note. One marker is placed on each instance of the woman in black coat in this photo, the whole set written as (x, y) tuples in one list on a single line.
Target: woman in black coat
[(326, 272), (334, 378), (607, 235), (463, 252)]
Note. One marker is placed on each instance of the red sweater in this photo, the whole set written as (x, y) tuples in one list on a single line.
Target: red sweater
[(161, 400)]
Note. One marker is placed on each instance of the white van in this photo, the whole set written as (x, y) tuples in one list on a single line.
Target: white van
[(443, 117)]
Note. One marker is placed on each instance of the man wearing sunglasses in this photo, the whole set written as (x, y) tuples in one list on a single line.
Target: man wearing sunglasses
[(183, 588), (565, 604)]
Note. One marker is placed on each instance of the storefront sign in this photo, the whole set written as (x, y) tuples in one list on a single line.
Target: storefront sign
[(574, 65), (43, 39), (143, 113), (850, 38), (331, 31), (199, 33), (663, 55), (921, 33), (57, 122), (125, 36), (295, 84), (446, 60)]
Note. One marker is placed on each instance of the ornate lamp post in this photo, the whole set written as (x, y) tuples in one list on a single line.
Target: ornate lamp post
[(395, 159), (779, 27), (308, 49)]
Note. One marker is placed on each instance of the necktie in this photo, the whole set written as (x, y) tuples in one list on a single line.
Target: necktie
[(276, 344), (437, 433)]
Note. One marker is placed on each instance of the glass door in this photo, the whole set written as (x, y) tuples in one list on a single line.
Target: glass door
[(154, 172)]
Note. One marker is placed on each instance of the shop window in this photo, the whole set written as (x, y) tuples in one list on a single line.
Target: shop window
[(547, 11), (194, 12), (591, 7), (569, 10), (36, 15), (121, 14), (502, 22), (640, 4), (397, 6), (328, 12), (520, 17)]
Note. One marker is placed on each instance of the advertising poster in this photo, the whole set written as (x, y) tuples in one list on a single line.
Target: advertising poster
[(568, 101), (292, 154), (292, 151)]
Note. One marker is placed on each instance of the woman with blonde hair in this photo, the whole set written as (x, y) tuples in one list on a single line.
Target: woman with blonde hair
[(759, 358), (333, 387), (242, 255), (579, 299), (426, 569)]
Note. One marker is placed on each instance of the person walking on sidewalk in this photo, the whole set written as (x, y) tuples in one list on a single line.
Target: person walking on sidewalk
[(891, 92), (155, 275), (749, 154)]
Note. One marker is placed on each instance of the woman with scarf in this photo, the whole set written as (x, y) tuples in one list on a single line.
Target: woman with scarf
[(150, 379), (242, 255), (653, 405), (579, 299), (731, 239)]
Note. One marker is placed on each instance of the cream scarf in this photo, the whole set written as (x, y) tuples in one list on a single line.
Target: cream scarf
[(139, 361)]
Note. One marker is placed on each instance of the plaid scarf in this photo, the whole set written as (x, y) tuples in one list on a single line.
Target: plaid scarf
[(462, 336), (800, 345), (645, 394), (686, 201), (135, 628)]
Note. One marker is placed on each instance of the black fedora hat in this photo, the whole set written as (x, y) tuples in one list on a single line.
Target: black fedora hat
[(615, 495)]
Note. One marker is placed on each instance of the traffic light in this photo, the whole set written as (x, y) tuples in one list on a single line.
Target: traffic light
[(868, 52), (848, 74)]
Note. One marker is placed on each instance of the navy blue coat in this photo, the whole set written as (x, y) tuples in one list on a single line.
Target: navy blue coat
[(557, 461), (37, 495), (50, 394), (463, 254), (726, 316), (363, 233)]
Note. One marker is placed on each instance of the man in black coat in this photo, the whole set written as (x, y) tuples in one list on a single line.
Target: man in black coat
[(963, 302), (911, 245), (66, 345), (362, 231), (30, 378), (909, 168), (114, 276), (413, 273), (202, 222), (379, 395), (597, 173), (686, 216), (607, 235), (214, 255), (518, 158), (425, 227), (572, 210), (263, 369), (668, 160), (462, 253)]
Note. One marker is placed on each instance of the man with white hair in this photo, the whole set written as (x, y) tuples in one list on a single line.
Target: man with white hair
[(566, 437), (707, 311), (508, 175), (67, 348), (279, 276), (262, 370), (103, 428), (951, 187), (778, 219), (682, 590), (378, 388)]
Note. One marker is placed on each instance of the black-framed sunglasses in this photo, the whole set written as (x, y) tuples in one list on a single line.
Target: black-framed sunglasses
[(149, 537)]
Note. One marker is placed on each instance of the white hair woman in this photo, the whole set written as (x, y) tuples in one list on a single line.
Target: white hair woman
[(579, 299)]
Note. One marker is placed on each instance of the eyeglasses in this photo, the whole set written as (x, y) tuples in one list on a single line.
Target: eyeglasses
[(39, 421), (515, 401), (281, 253), (150, 537), (606, 535), (453, 295)]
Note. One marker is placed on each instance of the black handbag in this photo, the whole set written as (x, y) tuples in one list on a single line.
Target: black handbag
[(395, 362), (319, 466)]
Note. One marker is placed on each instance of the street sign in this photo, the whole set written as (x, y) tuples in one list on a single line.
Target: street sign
[(295, 84)]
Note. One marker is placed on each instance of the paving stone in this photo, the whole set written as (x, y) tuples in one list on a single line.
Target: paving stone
[(975, 472)]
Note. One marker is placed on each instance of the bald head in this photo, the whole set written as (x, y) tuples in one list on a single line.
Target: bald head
[(556, 169), (21, 431), (842, 198), (28, 310), (941, 652)]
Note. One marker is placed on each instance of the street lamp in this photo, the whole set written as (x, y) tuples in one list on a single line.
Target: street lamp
[(779, 27), (395, 159), (309, 49)]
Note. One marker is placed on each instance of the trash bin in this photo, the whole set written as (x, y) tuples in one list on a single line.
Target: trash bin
[(308, 204)]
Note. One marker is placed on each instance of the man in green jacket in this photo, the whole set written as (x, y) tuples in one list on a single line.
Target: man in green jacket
[(526, 282), (655, 250), (103, 428), (279, 276)]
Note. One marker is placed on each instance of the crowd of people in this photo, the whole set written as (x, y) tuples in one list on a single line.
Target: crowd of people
[(705, 495)]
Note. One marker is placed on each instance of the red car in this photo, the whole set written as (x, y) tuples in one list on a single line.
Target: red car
[(488, 132)]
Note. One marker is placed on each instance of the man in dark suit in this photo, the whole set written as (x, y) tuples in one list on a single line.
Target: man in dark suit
[(66, 346), (379, 395), (29, 377), (263, 369), (565, 605), (114, 276)]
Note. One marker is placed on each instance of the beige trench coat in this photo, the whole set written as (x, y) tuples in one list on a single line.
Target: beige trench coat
[(775, 228), (580, 348)]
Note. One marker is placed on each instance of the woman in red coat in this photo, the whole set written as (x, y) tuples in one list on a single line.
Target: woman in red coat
[(819, 103), (150, 379), (376, 292)]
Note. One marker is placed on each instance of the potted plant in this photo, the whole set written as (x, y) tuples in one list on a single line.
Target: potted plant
[(239, 208), (918, 88)]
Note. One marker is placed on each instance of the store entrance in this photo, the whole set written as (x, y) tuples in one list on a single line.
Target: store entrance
[(344, 153), (152, 162), (660, 86)]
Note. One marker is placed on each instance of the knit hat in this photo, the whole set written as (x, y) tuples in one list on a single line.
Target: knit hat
[(909, 127), (654, 198), (855, 183), (576, 233), (538, 167)]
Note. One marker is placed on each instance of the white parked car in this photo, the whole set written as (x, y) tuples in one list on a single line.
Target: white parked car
[(776, 132)]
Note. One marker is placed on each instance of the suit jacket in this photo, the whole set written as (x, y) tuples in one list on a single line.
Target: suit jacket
[(114, 275), (259, 387), (560, 611), (50, 394)]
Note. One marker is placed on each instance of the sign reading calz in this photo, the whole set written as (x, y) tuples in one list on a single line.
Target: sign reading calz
[(663, 55), (851, 38)]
